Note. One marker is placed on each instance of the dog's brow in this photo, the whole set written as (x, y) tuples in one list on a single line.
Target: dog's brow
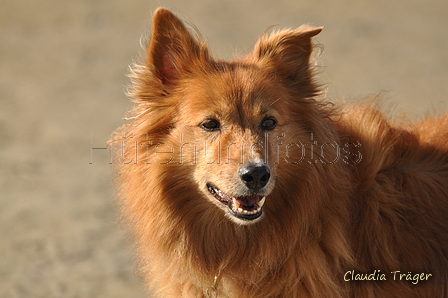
[(265, 110)]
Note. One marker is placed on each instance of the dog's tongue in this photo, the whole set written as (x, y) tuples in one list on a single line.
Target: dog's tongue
[(248, 201)]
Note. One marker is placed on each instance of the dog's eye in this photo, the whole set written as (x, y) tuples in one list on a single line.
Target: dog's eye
[(268, 123), (210, 124)]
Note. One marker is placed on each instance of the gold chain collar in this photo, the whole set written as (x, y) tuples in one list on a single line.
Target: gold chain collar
[(212, 292)]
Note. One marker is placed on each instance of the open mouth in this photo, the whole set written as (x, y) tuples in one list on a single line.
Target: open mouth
[(244, 207)]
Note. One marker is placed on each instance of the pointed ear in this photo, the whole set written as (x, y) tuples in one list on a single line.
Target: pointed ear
[(172, 49), (287, 53)]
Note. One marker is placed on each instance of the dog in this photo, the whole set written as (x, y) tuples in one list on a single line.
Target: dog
[(240, 179)]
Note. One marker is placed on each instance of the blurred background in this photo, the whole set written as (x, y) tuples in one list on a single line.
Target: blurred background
[(63, 67)]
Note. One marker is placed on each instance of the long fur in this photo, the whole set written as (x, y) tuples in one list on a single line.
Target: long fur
[(350, 190)]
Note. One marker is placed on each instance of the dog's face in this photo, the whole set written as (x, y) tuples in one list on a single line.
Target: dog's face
[(229, 115), (230, 118)]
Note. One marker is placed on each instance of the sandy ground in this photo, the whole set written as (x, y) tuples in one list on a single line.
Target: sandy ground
[(62, 82)]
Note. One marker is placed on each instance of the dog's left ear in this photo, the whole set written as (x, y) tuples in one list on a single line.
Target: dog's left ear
[(287, 53)]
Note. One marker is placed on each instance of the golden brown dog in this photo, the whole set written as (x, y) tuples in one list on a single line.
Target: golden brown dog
[(238, 180)]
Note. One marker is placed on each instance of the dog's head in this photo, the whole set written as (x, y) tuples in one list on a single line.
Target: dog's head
[(228, 122)]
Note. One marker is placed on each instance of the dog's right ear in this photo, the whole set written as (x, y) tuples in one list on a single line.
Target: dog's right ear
[(172, 50)]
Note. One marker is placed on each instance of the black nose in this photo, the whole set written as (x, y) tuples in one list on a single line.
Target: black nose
[(254, 175)]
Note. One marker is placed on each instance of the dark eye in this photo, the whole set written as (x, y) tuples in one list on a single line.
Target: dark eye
[(268, 123), (210, 124)]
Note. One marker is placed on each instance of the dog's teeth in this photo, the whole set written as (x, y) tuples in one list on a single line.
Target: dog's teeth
[(238, 207), (236, 204)]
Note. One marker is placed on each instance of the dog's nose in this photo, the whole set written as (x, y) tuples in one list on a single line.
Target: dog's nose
[(254, 175)]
